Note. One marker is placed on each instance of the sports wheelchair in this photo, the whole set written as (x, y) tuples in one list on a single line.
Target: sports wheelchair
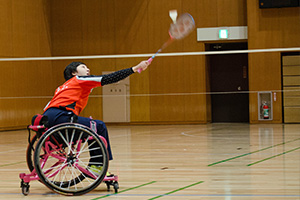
[(60, 158)]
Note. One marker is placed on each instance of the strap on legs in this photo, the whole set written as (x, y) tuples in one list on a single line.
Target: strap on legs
[(93, 125)]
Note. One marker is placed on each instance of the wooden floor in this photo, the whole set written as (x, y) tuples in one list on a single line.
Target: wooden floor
[(213, 161)]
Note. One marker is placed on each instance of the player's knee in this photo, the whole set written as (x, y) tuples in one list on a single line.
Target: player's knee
[(101, 127)]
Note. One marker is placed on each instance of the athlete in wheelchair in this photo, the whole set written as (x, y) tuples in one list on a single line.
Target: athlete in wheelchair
[(70, 154)]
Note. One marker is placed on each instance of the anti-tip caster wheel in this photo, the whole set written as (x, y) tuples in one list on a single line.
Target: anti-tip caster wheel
[(116, 186), (25, 188), (108, 185)]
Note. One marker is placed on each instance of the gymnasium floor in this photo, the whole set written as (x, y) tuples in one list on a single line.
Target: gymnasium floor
[(212, 161)]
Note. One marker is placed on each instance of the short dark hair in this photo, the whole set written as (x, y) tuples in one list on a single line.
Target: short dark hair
[(71, 68)]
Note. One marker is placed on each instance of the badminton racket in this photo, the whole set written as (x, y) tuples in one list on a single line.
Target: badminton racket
[(179, 29)]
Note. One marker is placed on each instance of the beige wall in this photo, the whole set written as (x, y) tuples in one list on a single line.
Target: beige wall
[(79, 27)]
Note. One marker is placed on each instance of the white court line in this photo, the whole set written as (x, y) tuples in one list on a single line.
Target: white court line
[(13, 151), (14, 170), (137, 133), (149, 55)]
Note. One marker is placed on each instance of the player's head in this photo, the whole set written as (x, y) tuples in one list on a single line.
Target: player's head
[(75, 68)]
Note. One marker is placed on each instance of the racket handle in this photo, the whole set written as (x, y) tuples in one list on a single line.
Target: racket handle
[(149, 61)]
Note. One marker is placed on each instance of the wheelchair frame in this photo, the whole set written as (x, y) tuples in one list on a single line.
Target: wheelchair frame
[(60, 157)]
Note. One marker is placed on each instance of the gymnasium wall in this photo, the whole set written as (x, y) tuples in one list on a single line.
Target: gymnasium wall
[(80, 27), (24, 32), (290, 83), (269, 28), (141, 26)]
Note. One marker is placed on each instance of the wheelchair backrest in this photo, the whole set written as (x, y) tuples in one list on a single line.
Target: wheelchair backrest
[(39, 124)]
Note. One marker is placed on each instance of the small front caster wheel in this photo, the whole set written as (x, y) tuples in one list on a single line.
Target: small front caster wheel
[(25, 188), (116, 186)]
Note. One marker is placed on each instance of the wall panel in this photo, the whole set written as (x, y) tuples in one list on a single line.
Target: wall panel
[(291, 83), (24, 84), (194, 68), (66, 20), (292, 114), (264, 75), (231, 13), (98, 27), (289, 20), (78, 27), (131, 26), (206, 13), (6, 28), (142, 27), (269, 28)]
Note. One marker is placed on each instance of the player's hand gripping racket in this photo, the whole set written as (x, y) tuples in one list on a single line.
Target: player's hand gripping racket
[(179, 29)]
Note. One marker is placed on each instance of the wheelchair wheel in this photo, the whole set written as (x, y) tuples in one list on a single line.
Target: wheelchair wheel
[(30, 161), (63, 155), (30, 152)]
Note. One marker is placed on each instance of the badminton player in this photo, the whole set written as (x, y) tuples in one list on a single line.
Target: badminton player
[(71, 98)]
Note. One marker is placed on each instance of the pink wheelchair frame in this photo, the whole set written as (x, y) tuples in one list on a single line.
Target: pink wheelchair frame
[(61, 156)]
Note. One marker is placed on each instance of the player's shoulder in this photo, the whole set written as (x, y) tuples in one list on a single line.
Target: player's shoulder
[(89, 78)]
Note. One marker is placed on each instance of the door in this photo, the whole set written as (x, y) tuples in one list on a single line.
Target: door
[(229, 83)]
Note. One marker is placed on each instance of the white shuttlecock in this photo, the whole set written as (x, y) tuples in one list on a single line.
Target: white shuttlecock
[(173, 15)]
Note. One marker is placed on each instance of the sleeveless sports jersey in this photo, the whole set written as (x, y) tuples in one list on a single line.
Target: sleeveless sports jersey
[(73, 94)]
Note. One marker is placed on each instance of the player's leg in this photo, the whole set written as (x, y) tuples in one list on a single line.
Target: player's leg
[(95, 159), (58, 116)]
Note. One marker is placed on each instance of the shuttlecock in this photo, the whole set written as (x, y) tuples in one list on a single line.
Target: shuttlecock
[(173, 15)]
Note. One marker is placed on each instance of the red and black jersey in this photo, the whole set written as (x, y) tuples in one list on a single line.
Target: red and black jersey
[(73, 94)]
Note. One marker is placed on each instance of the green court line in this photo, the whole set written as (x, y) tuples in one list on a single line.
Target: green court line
[(125, 190), (246, 154), (12, 164), (273, 156), (176, 190)]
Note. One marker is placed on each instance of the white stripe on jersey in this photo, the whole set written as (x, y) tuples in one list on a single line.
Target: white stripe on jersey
[(90, 78)]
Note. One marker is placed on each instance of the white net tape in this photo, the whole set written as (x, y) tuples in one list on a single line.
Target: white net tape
[(294, 49)]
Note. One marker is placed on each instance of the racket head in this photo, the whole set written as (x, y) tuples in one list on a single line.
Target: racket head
[(184, 25)]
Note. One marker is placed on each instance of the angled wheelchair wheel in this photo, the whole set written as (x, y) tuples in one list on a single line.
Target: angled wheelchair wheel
[(30, 160), (30, 152), (63, 156)]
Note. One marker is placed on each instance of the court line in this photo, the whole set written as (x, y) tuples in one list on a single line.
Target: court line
[(176, 190), (172, 195), (246, 154), (125, 190), (12, 151), (273, 156), (215, 195), (15, 163)]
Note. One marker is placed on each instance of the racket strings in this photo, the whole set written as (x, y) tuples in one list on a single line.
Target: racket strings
[(185, 25)]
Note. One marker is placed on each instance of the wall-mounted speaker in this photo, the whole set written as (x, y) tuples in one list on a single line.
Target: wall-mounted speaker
[(278, 3)]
